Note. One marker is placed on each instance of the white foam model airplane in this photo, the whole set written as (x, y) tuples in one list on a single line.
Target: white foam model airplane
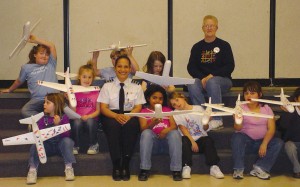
[(238, 111), (68, 87), (283, 102), (165, 79), (158, 113), (116, 47), (37, 136), (208, 113), (27, 30)]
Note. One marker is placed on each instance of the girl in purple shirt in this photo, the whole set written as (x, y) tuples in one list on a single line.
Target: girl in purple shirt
[(61, 145)]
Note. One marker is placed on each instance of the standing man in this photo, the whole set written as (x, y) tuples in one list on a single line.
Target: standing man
[(211, 64)]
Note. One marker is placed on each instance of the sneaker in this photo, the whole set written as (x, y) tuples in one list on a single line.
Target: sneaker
[(177, 176), (258, 172), (69, 174), (216, 172), (215, 125), (31, 177), (143, 175), (93, 149), (238, 174), (186, 172), (75, 150)]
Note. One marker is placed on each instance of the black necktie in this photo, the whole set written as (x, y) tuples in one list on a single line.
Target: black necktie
[(121, 98)]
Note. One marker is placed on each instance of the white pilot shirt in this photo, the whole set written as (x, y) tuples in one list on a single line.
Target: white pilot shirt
[(109, 94)]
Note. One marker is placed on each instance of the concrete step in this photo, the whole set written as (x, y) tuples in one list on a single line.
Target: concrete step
[(16, 164)]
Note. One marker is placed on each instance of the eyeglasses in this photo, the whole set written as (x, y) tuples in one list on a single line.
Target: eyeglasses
[(209, 26)]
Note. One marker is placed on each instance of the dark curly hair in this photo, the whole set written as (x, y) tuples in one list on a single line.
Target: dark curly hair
[(156, 88)]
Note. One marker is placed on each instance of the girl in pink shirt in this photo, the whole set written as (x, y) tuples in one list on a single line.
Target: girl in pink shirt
[(255, 135), (89, 109)]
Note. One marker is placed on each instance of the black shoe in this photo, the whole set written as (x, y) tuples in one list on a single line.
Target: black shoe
[(177, 176), (296, 175), (125, 174), (144, 174), (116, 175)]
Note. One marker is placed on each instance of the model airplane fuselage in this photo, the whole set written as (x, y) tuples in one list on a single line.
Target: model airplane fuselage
[(37, 136), (116, 47), (68, 87), (237, 111), (283, 102), (158, 113), (165, 79), (27, 30), (208, 113)]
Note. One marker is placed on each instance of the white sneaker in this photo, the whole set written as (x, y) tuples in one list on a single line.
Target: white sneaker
[(186, 172), (238, 174), (215, 125), (31, 177), (75, 150), (216, 172), (258, 172), (69, 174), (93, 149)]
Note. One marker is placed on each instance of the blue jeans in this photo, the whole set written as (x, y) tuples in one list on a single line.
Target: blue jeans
[(242, 144), (64, 148), (291, 149), (32, 107), (90, 125), (149, 142), (215, 86)]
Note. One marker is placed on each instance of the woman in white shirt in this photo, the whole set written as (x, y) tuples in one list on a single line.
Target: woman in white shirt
[(121, 130)]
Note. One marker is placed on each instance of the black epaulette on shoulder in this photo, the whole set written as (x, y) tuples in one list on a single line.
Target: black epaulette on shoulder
[(110, 80), (135, 82)]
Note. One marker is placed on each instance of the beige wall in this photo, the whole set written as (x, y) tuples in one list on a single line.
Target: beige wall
[(287, 39), (14, 14), (96, 24)]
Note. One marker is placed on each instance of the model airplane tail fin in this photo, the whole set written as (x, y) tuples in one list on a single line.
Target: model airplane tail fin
[(209, 102), (66, 74), (281, 94), (29, 119), (167, 68), (26, 31), (34, 26)]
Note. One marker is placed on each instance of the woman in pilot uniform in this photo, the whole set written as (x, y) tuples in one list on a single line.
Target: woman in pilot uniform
[(116, 98)]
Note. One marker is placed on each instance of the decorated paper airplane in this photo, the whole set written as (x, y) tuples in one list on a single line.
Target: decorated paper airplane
[(37, 136), (27, 30), (68, 87)]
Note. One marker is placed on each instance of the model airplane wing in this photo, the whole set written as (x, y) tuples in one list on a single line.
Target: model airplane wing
[(78, 88), (19, 140), (28, 120), (220, 107), (268, 101), (149, 115), (28, 138), (64, 74), (164, 80), (26, 34), (179, 112), (56, 86), (54, 131), (220, 114), (116, 47), (254, 114), (295, 103)]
